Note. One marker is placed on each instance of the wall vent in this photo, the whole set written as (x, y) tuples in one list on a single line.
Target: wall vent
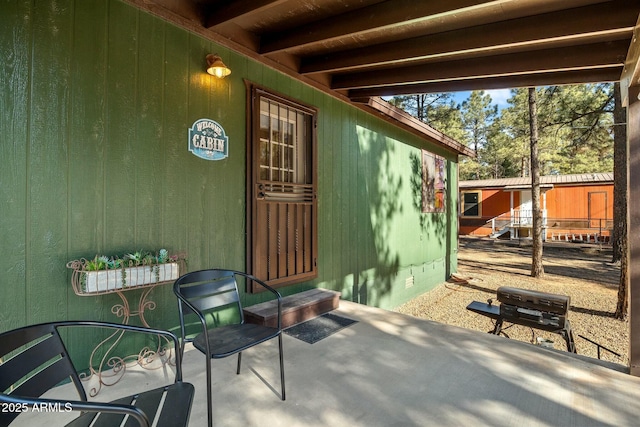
[(409, 282)]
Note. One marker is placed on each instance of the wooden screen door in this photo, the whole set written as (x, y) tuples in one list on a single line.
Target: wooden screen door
[(283, 241)]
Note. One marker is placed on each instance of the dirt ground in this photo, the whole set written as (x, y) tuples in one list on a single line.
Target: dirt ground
[(581, 271)]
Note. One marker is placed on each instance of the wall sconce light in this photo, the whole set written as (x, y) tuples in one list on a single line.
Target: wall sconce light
[(216, 67)]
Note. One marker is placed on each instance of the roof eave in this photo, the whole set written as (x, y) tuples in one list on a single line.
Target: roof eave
[(404, 120)]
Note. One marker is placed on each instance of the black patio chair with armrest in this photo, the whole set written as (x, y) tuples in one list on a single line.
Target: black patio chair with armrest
[(35, 360), (207, 292)]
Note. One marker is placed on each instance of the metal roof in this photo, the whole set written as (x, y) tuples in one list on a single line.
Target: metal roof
[(522, 182)]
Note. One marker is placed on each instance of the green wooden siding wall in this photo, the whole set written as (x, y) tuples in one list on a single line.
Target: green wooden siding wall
[(95, 105)]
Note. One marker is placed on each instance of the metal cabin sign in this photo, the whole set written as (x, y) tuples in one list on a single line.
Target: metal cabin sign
[(208, 140)]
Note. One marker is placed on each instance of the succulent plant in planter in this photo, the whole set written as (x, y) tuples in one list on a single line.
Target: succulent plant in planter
[(104, 274)]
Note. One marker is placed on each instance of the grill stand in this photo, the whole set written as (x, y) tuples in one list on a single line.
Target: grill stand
[(493, 312)]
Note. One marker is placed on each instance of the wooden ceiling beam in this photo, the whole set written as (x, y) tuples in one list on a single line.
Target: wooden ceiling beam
[(187, 10), (384, 14), (596, 55), (216, 15), (506, 82), (594, 23)]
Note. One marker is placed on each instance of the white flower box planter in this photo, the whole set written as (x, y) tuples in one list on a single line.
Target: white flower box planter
[(110, 280)]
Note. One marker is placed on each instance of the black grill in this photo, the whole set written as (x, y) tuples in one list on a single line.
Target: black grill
[(533, 308), (539, 310)]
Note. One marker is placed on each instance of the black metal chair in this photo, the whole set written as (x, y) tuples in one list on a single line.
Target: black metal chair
[(214, 292), (35, 360)]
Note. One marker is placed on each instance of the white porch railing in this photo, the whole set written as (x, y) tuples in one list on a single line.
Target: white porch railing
[(520, 217), (517, 218)]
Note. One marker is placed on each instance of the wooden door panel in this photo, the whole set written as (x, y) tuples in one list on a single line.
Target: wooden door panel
[(291, 237), (299, 237), (283, 250)]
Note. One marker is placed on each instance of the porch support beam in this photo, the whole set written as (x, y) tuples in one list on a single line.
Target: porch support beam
[(223, 13), (379, 15), (633, 232), (505, 82), (558, 27), (589, 56), (630, 88)]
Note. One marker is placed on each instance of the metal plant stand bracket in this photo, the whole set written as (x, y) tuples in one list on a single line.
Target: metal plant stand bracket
[(107, 369)]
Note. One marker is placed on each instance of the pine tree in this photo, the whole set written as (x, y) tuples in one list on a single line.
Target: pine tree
[(537, 268)]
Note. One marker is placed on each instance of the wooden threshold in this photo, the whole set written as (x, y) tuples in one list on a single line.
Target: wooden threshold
[(296, 308)]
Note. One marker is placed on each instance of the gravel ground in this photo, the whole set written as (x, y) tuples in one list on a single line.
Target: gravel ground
[(582, 272)]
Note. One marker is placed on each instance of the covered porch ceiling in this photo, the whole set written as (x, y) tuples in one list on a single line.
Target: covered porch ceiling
[(369, 48)]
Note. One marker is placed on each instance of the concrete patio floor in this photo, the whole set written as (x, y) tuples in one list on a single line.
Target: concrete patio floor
[(393, 370)]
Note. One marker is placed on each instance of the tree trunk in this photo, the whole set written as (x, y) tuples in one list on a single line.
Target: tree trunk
[(620, 217), (623, 288), (537, 269), (619, 176), (420, 108)]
